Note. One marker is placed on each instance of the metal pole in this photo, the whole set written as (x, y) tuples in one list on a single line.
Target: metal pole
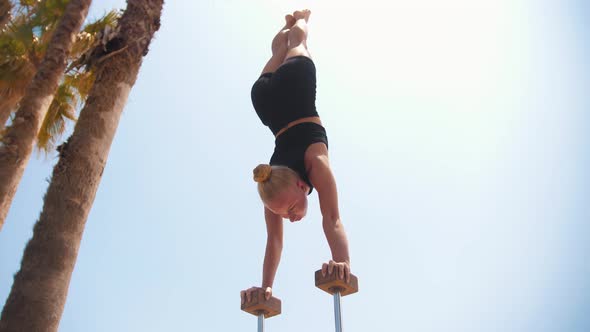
[(337, 312), (261, 322)]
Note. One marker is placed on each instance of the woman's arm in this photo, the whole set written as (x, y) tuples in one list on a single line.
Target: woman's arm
[(323, 180), (272, 256), (274, 247)]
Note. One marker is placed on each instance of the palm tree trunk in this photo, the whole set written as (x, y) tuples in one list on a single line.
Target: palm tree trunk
[(7, 105), (9, 101), (4, 115), (5, 109), (39, 292), (5, 8), (18, 139)]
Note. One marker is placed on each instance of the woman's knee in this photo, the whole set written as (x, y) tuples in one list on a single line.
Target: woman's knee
[(280, 42)]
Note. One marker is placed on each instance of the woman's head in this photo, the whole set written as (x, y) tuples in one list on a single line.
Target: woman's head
[(282, 191)]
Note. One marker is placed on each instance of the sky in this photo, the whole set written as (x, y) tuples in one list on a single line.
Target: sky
[(459, 141)]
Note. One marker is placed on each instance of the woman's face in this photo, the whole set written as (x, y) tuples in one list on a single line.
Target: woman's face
[(291, 203)]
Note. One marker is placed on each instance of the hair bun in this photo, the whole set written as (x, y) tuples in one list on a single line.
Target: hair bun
[(262, 172)]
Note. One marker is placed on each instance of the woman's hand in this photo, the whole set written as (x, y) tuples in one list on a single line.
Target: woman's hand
[(342, 268), (246, 295)]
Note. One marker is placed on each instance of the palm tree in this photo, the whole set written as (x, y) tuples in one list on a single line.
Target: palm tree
[(77, 82), (38, 295), (22, 46), (17, 141)]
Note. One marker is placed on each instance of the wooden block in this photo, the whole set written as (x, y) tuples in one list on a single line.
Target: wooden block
[(258, 304), (331, 283)]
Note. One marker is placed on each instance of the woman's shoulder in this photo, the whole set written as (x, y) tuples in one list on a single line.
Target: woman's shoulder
[(316, 156), (319, 171)]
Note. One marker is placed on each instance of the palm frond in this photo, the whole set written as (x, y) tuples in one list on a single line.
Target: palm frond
[(47, 13), (28, 3), (18, 39), (19, 31), (109, 19), (15, 72), (82, 82), (83, 42), (87, 38), (93, 35), (26, 8), (54, 123), (70, 95)]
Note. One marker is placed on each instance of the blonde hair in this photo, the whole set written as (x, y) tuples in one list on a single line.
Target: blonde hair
[(272, 180)]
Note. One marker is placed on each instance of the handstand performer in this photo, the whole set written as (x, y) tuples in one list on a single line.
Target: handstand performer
[(284, 99)]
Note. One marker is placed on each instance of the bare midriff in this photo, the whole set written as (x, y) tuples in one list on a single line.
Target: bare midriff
[(314, 119)]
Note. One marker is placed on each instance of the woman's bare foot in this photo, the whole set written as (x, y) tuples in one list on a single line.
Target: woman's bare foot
[(302, 14), (289, 21)]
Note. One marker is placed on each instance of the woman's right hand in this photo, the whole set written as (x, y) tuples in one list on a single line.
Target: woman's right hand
[(246, 295), (342, 268)]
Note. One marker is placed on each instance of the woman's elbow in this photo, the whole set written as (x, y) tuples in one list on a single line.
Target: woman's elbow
[(331, 223), (275, 243)]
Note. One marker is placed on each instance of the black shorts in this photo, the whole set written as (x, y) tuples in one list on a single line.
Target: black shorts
[(286, 95)]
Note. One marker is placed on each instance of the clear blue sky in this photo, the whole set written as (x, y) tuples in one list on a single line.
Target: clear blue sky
[(458, 135)]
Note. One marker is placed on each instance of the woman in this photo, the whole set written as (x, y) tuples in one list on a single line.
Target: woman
[(284, 99)]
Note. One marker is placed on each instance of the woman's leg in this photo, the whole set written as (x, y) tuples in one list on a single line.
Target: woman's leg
[(298, 35), (279, 46)]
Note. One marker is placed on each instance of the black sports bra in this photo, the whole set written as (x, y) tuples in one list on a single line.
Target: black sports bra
[(291, 145)]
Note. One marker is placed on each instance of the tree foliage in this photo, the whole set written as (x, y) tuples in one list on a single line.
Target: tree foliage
[(23, 43)]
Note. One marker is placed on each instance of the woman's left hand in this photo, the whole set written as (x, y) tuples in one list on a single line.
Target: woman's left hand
[(342, 268)]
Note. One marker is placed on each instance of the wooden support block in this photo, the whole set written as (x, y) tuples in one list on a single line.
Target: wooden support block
[(331, 283), (258, 304)]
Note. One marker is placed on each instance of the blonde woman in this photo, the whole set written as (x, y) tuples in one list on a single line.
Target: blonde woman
[(284, 99)]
